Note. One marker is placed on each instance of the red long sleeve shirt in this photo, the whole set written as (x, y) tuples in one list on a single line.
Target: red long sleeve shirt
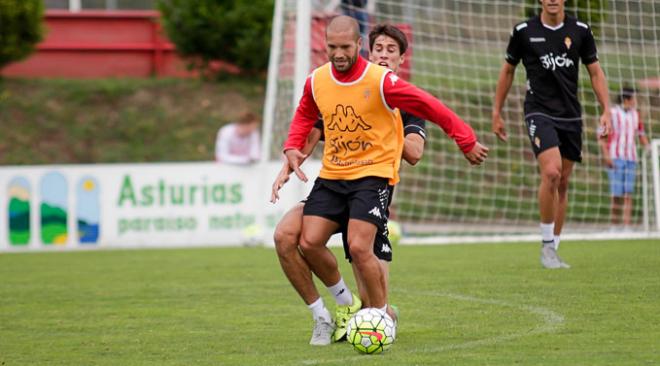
[(398, 94)]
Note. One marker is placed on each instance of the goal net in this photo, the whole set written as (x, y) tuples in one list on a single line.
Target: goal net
[(457, 50)]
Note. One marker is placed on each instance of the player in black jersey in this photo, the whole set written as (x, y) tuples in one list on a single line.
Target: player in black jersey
[(551, 46), (388, 45)]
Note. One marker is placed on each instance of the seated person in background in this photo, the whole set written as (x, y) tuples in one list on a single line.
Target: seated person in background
[(239, 142)]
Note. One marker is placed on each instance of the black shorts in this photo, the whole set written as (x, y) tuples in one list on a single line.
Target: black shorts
[(545, 132), (382, 245), (364, 199)]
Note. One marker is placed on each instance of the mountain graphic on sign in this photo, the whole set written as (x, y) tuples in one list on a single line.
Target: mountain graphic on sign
[(54, 208), (19, 211), (53, 224), (19, 221)]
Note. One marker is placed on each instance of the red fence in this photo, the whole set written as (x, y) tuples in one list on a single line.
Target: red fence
[(95, 44)]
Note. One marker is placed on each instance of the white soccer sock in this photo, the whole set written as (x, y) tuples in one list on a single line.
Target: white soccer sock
[(319, 310), (341, 293), (557, 240), (383, 309), (547, 232)]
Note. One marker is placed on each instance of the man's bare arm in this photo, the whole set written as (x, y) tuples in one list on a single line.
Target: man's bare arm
[(504, 82), (283, 176), (599, 84), (413, 148)]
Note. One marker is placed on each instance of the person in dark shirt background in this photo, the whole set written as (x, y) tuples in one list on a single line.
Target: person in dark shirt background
[(551, 46)]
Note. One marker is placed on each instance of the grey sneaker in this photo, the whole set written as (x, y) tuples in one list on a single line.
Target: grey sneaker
[(549, 257), (322, 332), (563, 264)]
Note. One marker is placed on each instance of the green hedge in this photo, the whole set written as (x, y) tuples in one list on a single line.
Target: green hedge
[(235, 31), (20, 28)]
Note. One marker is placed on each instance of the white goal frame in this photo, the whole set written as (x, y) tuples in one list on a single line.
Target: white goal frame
[(655, 170), (446, 215)]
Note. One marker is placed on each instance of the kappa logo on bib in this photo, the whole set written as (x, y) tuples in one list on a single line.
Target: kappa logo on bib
[(345, 119)]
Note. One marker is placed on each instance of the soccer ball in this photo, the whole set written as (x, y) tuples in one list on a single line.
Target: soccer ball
[(252, 235), (393, 232), (371, 331)]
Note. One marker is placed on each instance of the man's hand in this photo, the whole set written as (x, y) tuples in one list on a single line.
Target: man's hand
[(608, 162), (605, 126), (280, 180), (294, 157), (477, 155), (498, 127)]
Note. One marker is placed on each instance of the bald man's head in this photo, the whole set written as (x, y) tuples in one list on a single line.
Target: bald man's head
[(343, 42), (343, 24)]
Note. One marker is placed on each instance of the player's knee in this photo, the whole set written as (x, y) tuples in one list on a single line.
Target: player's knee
[(286, 240), (551, 175), (360, 253), (307, 244)]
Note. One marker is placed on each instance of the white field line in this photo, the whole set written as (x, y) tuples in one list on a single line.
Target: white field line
[(550, 321)]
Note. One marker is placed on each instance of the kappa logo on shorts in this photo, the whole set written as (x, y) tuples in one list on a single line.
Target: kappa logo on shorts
[(376, 212), (537, 142), (386, 248), (532, 128)]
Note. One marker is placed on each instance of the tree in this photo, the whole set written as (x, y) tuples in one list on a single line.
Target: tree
[(590, 11), (234, 31), (20, 28)]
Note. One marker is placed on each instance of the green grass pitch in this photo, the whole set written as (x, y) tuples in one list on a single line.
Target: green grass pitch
[(460, 305)]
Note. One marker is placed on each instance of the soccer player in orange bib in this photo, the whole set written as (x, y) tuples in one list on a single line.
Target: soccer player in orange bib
[(364, 139), (387, 45)]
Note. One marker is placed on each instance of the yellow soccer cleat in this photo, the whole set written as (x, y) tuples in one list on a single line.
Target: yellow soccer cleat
[(342, 316)]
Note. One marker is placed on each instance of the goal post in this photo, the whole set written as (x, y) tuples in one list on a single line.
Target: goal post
[(655, 161), (456, 52)]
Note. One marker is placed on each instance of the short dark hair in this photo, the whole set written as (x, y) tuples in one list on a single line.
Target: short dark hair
[(627, 93), (247, 117), (390, 31)]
